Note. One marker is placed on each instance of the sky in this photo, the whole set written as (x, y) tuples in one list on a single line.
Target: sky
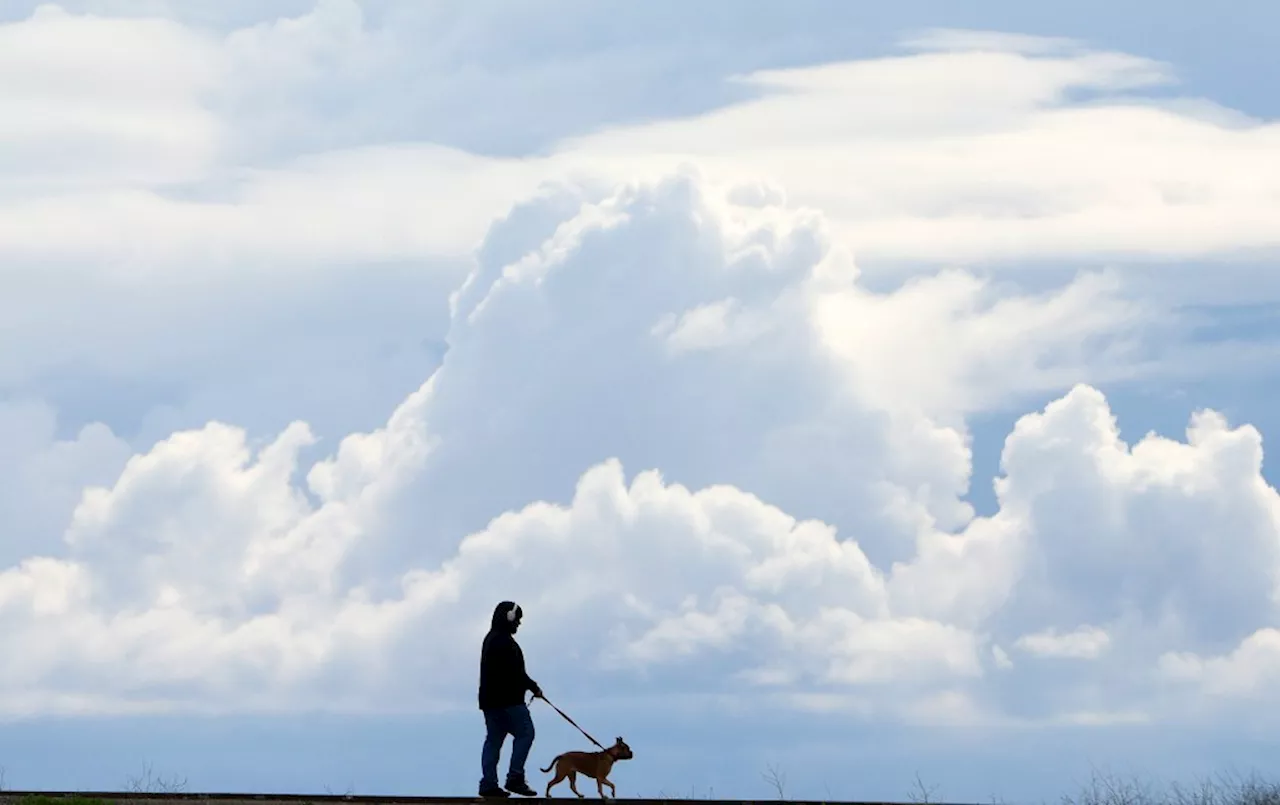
[(877, 394)]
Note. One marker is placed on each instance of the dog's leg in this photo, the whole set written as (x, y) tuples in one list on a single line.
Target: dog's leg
[(559, 776), (613, 792), (600, 787), (573, 783)]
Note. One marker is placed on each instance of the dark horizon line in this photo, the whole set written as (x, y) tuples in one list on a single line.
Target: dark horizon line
[(400, 799)]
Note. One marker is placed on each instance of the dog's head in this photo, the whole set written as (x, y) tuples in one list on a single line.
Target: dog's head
[(620, 750)]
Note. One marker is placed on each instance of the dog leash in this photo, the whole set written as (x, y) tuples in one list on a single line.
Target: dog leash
[(571, 721)]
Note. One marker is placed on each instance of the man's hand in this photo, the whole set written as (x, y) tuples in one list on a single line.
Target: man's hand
[(537, 691)]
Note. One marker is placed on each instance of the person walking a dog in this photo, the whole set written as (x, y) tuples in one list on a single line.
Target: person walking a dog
[(503, 683)]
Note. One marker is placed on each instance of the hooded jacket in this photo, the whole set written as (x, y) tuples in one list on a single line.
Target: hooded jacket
[(503, 681)]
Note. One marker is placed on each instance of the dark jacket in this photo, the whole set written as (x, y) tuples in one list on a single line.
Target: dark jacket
[(503, 681)]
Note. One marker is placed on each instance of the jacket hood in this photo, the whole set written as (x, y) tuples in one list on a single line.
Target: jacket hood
[(505, 616)]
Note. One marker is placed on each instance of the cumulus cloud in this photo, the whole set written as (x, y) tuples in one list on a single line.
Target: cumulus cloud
[(42, 476), (1205, 513), (648, 430), (673, 419)]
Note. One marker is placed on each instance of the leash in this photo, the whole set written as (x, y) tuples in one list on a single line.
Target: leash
[(571, 721)]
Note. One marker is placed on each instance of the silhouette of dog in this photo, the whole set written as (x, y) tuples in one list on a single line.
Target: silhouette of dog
[(593, 764)]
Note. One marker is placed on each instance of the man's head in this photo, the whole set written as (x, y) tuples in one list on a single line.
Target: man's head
[(506, 616)]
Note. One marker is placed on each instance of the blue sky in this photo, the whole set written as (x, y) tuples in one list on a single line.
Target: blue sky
[(790, 363)]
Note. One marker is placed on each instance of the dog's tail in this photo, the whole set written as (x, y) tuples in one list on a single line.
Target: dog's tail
[(552, 763)]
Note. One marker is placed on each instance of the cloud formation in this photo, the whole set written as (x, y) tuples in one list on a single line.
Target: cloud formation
[(666, 425), (968, 147), (317, 174), (676, 419)]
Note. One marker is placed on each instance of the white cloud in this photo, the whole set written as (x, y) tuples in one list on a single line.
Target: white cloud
[(188, 147), (1156, 526), (978, 151), (1246, 673), (42, 476), (1085, 643), (971, 345), (950, 39), (778, 525), (974, 149), (105, 104), (726, 464), (257, 196), (1001, 657)]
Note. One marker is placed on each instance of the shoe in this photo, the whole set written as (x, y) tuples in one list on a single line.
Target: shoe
[(521, 787), (493, 793)]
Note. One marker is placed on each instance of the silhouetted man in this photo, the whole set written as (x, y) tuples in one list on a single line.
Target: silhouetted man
[(503, 683)]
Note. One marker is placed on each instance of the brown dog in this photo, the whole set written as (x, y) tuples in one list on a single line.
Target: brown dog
[(592, 764)]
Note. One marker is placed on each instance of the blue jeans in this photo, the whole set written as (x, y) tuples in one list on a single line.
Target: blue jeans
[(499, 723)]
